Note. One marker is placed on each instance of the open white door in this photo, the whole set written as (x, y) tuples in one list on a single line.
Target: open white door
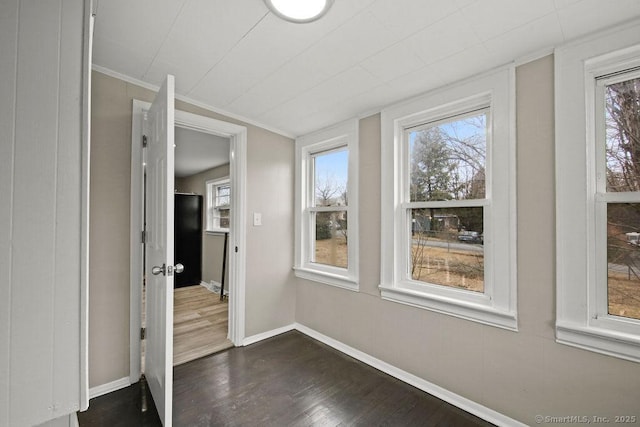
[(159, 268)]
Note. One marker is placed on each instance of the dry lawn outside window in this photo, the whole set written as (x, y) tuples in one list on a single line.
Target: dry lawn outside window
[(453, 266), (624, 295), (332, 251)]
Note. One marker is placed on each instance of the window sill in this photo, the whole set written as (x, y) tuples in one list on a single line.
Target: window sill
[(441, 304), (327, 278), (604, 341)]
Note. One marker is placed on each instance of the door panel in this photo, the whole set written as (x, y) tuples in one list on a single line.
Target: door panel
[(160, 250)]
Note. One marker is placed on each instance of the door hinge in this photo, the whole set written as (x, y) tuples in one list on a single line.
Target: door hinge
[(144, 140), (143, 333), (143, 237), (236, 249)]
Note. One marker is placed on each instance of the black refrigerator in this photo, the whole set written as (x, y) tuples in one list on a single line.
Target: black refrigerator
[(188, 239)]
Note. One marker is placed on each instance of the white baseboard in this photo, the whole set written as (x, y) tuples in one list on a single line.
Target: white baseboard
[(463, 403), (263, 336), (109, 387)]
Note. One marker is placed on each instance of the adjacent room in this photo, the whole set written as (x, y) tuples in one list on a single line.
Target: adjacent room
[(382, 212)]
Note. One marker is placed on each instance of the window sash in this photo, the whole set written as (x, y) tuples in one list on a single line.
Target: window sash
[(226, 188), (311, 162), (407, 276), (406, 205), (599, 308), (314, 242), (454, 116), (311, 209), (214, 207)]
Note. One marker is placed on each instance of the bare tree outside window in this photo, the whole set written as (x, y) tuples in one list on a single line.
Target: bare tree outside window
[(330, 190), (622, 111), (622, 144), (448, 160)]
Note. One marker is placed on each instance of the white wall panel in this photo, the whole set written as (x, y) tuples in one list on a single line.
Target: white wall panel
[(40, 239), (67, 243), (34, 211), (8, 36)]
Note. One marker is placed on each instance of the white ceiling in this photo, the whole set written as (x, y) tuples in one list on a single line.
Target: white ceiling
[(197, 151), (238, 58)]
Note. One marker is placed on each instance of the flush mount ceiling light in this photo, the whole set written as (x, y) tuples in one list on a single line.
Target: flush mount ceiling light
[(299, 11)]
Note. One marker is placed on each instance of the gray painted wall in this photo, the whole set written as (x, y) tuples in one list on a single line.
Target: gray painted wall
[(270, 284), (41, 93), (519, 374)]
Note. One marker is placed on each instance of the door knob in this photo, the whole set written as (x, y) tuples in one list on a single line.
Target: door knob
[(179, 268), (157, 270)]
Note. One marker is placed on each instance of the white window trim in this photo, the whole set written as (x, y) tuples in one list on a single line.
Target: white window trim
[(582, 315), (497, 306), (343, 134), (211, 185)]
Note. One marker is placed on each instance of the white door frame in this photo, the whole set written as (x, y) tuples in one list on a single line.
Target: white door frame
[(237, 236)]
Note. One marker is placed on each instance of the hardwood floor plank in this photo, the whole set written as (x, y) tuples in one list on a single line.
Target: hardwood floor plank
[(200, 323), (289, 380), (292, 380), (122, 408)]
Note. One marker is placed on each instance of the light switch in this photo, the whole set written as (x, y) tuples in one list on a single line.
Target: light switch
[(257, 219)]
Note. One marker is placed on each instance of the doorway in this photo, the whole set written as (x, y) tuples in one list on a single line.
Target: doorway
[(236, 135), (202, 225)]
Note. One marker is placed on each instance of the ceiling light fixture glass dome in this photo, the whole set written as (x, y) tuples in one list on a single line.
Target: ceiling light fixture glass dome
[(299, 11)]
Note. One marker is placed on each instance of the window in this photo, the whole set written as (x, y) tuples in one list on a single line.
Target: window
[(618, 194), (598, 193), (326, 206), (448, 201), (218, 205), (446, 166)]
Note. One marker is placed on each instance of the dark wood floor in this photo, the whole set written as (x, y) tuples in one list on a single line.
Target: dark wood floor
[(288, 380)]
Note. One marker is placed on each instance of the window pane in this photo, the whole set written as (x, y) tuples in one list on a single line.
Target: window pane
[(447, 160), (223, 196), (623, 257), (330, 178), (447, 247), (330, 242), (224, 218), (622, 101)]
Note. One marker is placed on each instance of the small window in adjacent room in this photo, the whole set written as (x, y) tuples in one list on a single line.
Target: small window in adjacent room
[(598, 193), (218, 205), (326, 206), (448, 201)]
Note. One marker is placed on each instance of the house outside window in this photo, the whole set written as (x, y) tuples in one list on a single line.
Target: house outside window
[(326, 206), (448, 201), (218, 205), (598, 193)]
